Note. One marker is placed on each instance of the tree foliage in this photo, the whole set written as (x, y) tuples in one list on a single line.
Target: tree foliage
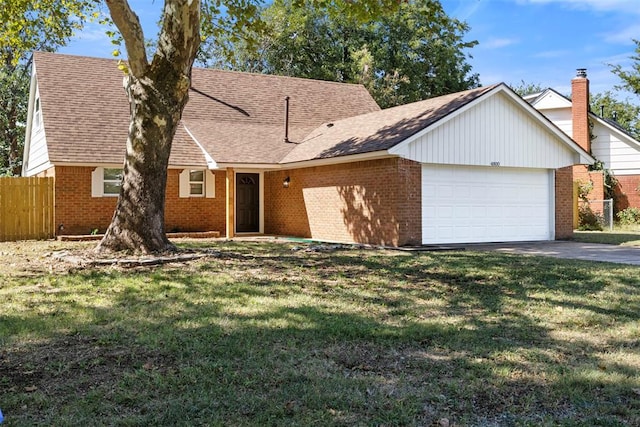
[(628, 114), (409, 53), (625, 113), (526, 88), (630, 78), (27, 26)]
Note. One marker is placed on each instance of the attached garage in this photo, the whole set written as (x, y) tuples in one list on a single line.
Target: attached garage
[(469, 204), (489, 172)]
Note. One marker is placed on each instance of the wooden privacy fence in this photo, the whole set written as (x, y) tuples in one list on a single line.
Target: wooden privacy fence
[(26, 208)]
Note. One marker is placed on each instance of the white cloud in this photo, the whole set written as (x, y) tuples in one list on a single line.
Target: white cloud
[(497, 43), (630, 6), (465, 9), (550, 54), (623, 36)]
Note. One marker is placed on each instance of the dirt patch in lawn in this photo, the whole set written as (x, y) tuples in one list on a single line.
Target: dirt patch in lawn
[(31, 258)]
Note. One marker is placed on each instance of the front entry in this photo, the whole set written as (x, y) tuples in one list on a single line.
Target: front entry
[(247, 202)]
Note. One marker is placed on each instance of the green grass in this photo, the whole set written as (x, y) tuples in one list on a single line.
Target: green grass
[(264, 335), (625, 236)]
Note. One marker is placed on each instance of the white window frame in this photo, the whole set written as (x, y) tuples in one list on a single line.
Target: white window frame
[(98, 181), (193, 182), (208, 184), (37, 114)]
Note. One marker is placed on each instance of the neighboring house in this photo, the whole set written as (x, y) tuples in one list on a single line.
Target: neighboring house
[(288, 156), (603, 138)]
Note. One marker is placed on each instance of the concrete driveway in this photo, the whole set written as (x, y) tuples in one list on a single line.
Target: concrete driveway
[(567, 250)]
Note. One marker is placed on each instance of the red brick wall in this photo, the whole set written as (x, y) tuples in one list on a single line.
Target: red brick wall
[(80, 213), (409, 201), (582, 174), (75, 209), (374, 202), (626, 193), (564, 203)]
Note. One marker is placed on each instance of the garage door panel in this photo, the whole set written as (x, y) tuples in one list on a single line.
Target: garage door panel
[(483, 204)]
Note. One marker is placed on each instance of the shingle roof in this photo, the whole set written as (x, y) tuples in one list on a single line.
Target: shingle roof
[(236, 117), (86, 113), (379, 130), (239, 117)]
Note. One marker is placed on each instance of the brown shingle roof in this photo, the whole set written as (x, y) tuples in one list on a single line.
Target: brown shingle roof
[(379, 130), (236, 117), (86, 113), (239, 117)]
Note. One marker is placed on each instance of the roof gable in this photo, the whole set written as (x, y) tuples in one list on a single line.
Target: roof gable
[(500, 129), (550, 99), (379, 130)]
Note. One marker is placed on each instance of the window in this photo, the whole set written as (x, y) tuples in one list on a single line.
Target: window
[(196, 183), (111, 181), (37, 115)]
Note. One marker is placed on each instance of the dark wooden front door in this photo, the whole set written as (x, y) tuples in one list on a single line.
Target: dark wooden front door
[(247, 203)]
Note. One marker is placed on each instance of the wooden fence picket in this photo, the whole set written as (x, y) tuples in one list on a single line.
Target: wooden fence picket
[(26, 208)]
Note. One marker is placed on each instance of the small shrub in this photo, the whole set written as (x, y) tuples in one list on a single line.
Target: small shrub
[(629, 216), (588, 220)]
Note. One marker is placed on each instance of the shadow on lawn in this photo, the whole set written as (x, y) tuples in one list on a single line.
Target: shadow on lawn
[(329, 339)]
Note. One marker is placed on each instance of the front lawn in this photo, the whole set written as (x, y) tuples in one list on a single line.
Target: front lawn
[(272, 334), (619, 236)]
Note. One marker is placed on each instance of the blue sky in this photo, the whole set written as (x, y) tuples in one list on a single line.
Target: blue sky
[(536, 41)]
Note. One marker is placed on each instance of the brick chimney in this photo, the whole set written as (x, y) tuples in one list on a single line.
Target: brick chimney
[(580, 109)]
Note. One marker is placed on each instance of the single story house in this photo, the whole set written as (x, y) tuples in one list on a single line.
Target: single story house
[(263, 154), (605, 139)]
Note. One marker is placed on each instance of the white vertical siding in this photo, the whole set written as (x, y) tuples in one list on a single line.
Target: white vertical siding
[(38, 156), (495, 131), (561, 118)]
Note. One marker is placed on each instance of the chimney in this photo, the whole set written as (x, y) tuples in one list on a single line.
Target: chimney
[(580, 109)]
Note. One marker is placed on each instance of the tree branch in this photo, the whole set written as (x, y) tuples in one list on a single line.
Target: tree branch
[(129, 26), (180, 35)]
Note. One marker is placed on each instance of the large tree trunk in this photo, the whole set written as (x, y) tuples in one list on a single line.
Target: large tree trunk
[(158, 93), (138, 221)]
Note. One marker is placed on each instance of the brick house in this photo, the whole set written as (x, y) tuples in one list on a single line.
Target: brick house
[(602, 137), (277, 155)]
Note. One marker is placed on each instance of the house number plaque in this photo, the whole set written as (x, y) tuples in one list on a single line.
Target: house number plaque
[(495, 163)]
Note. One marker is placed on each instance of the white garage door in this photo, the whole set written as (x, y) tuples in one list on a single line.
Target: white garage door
[(465, 204)]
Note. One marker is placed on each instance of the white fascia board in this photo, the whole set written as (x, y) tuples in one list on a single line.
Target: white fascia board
[(309, 163), (33, 87), (374, 155), (190, 167), (118, 165), (248, 166), (43, 167), (211, 164), (89, 165)]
